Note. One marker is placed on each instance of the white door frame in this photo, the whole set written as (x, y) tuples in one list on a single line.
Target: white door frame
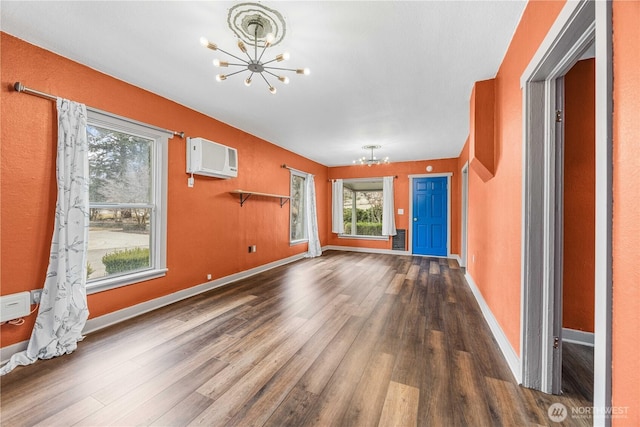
[(576, 27), (430, 175), (464, 214)]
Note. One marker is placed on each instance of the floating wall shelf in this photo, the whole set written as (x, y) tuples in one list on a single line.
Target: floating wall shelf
[(244, 195)]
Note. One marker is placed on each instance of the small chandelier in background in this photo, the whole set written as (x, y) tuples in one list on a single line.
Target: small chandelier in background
[(371, 160), (255, 26)]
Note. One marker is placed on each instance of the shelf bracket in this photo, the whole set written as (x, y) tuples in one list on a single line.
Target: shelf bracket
[(244, 197)]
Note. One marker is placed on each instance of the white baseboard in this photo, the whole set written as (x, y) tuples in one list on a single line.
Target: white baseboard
[(366, 250), (578, 337), (109, 319), (503, 342), (10, 350)]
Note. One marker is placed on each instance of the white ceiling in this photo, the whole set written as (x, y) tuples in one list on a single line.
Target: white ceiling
[(394, 73)]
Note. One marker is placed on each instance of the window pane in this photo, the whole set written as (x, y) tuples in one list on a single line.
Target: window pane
[(347, 213), (119, 241), (297, 208), (362, 208), (119, 166), (369, 213)]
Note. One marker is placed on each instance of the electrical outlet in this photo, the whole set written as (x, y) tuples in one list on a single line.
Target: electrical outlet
[(208, 277), (190, 182), (36, 296)]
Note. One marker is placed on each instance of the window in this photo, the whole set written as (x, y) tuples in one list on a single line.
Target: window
[(298, 228), (127, 192), (362, 212)]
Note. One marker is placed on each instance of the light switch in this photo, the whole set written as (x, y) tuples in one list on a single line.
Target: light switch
[(400, 211)]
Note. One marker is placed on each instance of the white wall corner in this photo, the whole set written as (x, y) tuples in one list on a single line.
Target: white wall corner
[(503, 342)]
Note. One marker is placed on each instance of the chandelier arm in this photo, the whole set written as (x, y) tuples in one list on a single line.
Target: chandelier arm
[(231, 54), (234, 73), (265, 80), (274, 75), (279, 68), (269, 62), (261, 54)]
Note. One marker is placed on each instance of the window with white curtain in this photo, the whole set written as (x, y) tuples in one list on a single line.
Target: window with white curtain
[(297, 223), (363, 208), (127, 196)]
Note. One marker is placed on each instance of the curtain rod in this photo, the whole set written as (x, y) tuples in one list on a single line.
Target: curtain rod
[(361, 179), (19, 87), (284, 166)]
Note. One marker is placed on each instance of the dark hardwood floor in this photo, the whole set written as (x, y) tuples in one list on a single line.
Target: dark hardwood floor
[(347, 339), (577, 370)]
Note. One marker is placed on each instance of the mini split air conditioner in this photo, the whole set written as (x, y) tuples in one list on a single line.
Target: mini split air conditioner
[(211, 159)]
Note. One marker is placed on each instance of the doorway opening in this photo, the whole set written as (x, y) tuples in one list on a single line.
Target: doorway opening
[(542, 247)]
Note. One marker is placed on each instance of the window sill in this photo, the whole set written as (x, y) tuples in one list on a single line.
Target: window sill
[(350, 236), (298, 242), (108, 283)]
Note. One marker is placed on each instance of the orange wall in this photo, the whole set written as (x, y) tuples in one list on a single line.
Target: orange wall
[(626, 210), (208, 232), (402, 193), (578, 291), (495, 216)]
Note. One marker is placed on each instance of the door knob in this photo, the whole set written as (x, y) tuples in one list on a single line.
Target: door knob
[(415, 219)]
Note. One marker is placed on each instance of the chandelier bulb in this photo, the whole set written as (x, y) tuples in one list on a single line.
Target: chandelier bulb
[(283, 57), (206, 43), (304, 71), (221, 77), (218, 63), (272, 90), (269, 39), (242, 46), (284, 79), (247, 81)]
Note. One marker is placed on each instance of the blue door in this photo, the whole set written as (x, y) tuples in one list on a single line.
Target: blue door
[(430, 216)]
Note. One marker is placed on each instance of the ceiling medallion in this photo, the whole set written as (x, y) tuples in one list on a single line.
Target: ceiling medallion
[(371, 160), (261, 28), (242, 15)]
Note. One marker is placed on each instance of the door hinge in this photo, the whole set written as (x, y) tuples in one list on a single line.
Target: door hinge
[(556, 342), (558, 116)]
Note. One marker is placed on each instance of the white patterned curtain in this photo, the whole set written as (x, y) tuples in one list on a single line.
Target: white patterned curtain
[(388, 208), (312, 218), (63, 307), (337, 207)]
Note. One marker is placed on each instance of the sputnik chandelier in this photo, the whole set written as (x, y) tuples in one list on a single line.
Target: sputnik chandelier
[(255, 24), (371, 160)]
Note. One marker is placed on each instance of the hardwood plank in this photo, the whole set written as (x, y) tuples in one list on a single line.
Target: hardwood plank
[(257, 410), (435, 398), (184, 412), (330, 405), (469, 398), (171, 396), (72, 414), (400, 406), (365, 406)]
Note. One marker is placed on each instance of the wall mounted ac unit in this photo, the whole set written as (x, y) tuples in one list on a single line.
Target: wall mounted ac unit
[(211, 159)]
